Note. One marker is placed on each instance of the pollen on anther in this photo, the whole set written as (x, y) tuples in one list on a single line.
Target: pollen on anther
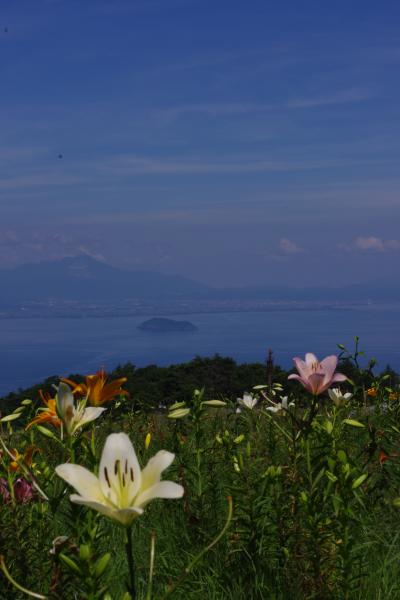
[(132, 477), (116, 466)]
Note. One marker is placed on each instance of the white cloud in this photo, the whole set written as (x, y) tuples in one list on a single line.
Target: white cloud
[(289, 247), (96, 255), (371, 244)]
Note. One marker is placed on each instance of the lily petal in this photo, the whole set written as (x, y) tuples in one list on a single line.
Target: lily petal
[(338, 377), (101, 507), (163, 489), (328, 366), (119, 469), (151, 474), (85, 482), (65, 399), (90, 414), (298, 377), (311, 359), (302, 367), (126, 515), (315, 383)]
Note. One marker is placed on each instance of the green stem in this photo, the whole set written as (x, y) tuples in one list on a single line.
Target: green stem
[(131, 564), (198, 465), (16, 584), (196, 559), (151, 570), (283, 432)]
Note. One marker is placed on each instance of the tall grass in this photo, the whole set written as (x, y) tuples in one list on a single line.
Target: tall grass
[(313, 506)]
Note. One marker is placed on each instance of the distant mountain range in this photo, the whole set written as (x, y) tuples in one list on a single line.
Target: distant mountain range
[(84, 279), (379, 291)]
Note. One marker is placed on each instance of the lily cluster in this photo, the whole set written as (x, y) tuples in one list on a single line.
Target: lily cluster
[(69, 409)]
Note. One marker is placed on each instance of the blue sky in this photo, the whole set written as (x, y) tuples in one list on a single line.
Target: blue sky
[(234, 142)]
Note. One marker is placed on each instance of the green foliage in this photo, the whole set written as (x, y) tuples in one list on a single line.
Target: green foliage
[(315, 492)]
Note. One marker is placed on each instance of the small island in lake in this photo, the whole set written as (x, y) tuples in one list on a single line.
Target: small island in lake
[(161, 324)]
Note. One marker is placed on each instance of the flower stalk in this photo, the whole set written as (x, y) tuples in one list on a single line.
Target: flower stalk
[(151, 569), (14, 583), (131, 563)]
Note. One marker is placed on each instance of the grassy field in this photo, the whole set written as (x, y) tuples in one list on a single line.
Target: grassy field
[(289, 503)]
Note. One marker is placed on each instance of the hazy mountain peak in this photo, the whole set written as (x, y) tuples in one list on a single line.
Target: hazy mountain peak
[(82, 278)]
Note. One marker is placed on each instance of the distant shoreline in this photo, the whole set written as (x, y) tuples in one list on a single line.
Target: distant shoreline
[(179, 311)]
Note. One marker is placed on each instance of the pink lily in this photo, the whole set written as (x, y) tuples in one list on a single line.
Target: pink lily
[(23, 490), (317, 376)]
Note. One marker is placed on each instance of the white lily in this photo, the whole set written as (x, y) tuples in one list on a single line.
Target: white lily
[(74, 416), (337, 397), (279, 407), (122, 489), (248, 401)]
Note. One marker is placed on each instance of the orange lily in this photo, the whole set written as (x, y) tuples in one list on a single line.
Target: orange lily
[(96, 389), (372, 392), (46, 415), (25, 458)]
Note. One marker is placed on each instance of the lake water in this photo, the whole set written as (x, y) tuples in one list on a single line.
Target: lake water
[(32, 349)]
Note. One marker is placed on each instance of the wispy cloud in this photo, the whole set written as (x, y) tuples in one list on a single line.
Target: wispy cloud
[(39, 180), (346, 96), (139, 165), (290, 247), (215, 109), (26, 245), (371, 244)]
